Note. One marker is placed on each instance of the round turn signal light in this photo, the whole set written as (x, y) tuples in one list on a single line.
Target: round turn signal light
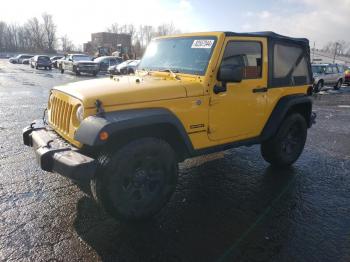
[(103, 135)]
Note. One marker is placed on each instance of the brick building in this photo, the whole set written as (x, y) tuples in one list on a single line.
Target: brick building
[(109, 40)]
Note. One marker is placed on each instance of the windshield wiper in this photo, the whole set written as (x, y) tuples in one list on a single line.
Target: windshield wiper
[(172, 73)]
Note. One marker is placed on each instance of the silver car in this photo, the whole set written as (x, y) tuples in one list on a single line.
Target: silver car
[(327, 75)]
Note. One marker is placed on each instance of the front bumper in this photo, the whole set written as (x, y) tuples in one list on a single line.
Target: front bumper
[(55, 155), (87, 69)]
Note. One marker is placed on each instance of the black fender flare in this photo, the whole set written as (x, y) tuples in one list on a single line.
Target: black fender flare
[(114, 122), (280, 111)]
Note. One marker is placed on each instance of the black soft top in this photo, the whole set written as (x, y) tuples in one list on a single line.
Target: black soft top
[(272, 36)]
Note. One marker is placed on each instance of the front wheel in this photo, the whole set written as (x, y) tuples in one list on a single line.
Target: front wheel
[(137, 180), (288, 143), (338, 85), (318, 86)]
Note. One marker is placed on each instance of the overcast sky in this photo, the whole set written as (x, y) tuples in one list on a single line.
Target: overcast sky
[(319, 20)]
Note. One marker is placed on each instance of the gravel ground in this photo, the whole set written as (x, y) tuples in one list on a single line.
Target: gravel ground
[(227, 207)]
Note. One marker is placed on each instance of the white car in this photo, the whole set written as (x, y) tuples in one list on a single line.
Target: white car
[(125, 68), (19, 59)]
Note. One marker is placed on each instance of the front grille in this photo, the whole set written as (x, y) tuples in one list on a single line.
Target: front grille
[(61, 113)]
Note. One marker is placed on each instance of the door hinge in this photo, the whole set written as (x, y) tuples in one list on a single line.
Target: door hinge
[(210, 130)]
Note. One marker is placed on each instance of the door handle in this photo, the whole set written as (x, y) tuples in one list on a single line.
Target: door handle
[(260, 90)]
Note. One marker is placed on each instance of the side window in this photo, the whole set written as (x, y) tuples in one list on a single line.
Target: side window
[(335, 70), (290, 66), (329, 70), (246, 54)]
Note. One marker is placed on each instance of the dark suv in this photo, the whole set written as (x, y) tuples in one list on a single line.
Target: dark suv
[(42, 61)]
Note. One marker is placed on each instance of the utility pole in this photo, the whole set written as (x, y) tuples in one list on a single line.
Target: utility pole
[(335, 51)]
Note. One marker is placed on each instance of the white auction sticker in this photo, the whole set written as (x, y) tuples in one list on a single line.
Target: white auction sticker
[(202, 43)]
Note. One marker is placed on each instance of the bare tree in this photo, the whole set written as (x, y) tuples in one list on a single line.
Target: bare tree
[(3, 28), (166, 29), (50, 31), (37, 33), (114, 28), (66, 44)]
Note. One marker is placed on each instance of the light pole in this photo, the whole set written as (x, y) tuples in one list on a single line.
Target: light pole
[(335, 51)]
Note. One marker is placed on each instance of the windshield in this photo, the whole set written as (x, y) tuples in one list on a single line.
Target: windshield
[(184, 55), (318, 69), (100, 59), (43, 58), (125, 63), (134, 63), (81, 58)]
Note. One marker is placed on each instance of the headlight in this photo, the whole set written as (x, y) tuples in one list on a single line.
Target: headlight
[(80, 113)]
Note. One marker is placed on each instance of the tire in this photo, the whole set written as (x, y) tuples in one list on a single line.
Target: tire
[(62, 70), (318, 86), (136, 181), (50, 67), (36, 67), (94, 73), (130, 71), (31, 66), (288, 143), (338, 85)]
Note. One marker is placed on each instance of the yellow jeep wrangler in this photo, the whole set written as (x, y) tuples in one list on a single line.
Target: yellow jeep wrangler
[(192, 94)]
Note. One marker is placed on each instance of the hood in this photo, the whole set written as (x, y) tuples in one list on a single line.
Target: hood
[(130, 89), (86, 62)]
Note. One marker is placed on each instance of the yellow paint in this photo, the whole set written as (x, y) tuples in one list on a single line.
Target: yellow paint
[(235, 115)]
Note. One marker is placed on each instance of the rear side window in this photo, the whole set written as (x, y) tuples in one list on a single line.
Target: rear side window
[(244, 53), (335, 70), (290, 66), (329, 70), (340, 69)]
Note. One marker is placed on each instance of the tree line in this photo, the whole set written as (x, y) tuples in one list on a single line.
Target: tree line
[(340, 48), (142, 34), (37, 34), (40, 34)]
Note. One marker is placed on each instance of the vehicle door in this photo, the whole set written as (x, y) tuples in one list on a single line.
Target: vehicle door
[(328, 78), (336, 74), (104, 64), (238, 111), (68, 62)]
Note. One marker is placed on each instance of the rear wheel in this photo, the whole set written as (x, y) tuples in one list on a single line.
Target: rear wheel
[(288, 143), (137, 180), (339, 84)]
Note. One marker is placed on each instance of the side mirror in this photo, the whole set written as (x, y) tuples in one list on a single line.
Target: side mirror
[(70, 59), (230, 73)]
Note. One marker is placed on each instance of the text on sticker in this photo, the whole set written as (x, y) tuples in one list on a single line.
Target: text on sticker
[(202, 43)]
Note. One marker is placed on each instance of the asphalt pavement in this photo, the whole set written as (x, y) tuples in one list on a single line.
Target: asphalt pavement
[(228, 207)]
